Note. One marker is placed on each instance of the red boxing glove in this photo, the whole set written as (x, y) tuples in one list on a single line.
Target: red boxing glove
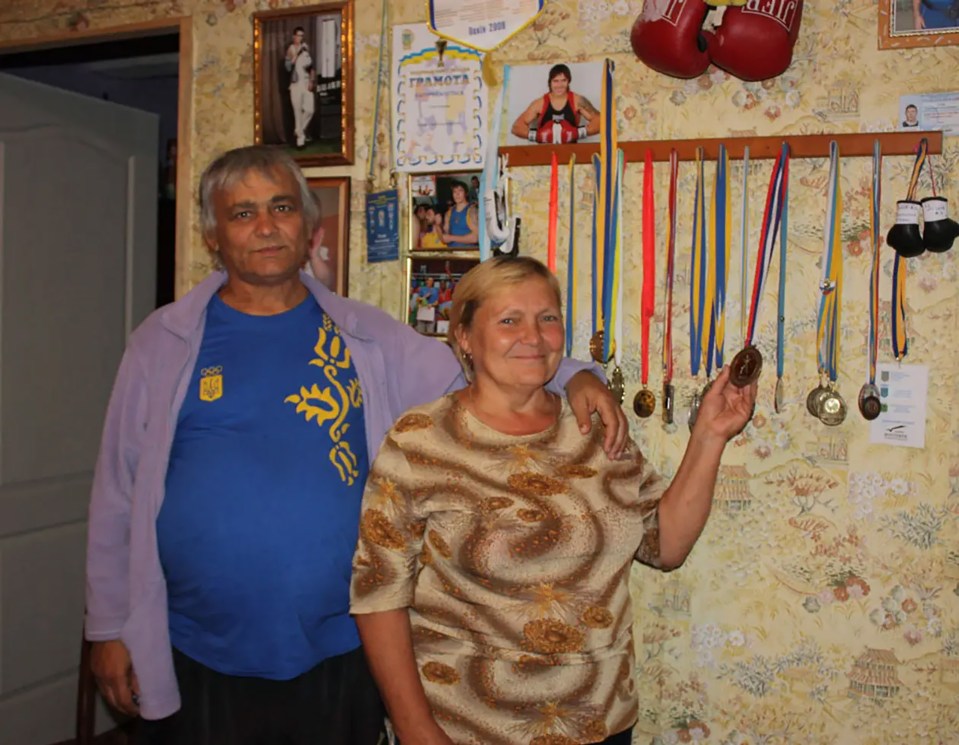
[(755, 41), (559, 132), (668, 37)]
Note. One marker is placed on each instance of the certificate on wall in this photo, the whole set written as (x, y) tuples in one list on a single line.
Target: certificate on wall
[(439, 103), (903, 392), (482, 24), (382, 226)]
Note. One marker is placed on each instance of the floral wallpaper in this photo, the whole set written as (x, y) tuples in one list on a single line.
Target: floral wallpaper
[(821, 604)]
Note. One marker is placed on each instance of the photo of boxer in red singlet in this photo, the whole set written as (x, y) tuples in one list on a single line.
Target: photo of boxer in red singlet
[(559, 116)]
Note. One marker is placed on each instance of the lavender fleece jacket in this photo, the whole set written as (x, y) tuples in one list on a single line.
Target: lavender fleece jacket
[(126, 592)]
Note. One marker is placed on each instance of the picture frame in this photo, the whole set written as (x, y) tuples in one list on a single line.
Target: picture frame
[(897, 26), (303, 81), (434, 213), (430, 281), (580, 83), (331, 236)]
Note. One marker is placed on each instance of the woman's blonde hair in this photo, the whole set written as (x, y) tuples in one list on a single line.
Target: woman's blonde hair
[(482, 281)]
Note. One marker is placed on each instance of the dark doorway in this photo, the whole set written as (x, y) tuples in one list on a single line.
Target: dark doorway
[(141, 73)]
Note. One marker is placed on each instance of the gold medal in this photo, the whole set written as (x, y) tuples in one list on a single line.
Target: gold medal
[(596, 348), (778, 396), (617, 385), (870, 406), (668, 394), (832, 408), (745, 367), (644, 403), (812, 400)]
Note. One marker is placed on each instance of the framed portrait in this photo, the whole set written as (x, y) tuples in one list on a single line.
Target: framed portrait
[(553, 104), (444, 211), (918, 23), (330, 243), (430, 284), (303, 81)]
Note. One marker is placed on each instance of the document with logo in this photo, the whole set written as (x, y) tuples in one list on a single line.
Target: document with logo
[(903, 390)]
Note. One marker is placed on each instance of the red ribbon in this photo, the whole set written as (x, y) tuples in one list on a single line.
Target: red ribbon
[(553, 214)]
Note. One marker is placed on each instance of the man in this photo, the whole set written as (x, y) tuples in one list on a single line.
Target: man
[(461, 223), (560, 116), (225, 502), (911, 117), (302, 84)]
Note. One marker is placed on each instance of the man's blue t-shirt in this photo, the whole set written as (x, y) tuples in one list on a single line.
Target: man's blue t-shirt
[(259, 521)]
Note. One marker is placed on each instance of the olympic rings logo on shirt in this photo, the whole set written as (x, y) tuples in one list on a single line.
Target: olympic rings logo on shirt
[(208, 371)]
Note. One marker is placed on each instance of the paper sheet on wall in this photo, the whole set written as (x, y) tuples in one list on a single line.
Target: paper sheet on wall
[(439, 103), (482, 24), (903, 393), (931, 111)]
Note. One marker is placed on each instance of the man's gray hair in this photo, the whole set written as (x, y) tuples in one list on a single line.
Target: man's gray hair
[(233, 165)]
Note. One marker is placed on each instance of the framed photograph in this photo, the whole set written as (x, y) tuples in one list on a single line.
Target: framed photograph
[(330, 244), (432, 280), (444, 211), (303, 81), (553, 104), (918, 23)]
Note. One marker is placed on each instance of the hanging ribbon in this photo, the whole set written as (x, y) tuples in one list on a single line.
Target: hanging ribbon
[(900, 342), (648, 305), (743, 243), (671, 218), (553, 214), (720, 244), (830, 304), (597, 261), (608, 170), (781, 297), (767, 239), (380, 65), (616, 342), (697, 270), (611, 279), (571, 288), (875, 238)]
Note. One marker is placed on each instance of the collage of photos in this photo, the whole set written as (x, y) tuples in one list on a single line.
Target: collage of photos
[(444, 213), (432, 281)]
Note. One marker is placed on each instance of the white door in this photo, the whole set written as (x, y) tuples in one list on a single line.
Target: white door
[(78, 185)]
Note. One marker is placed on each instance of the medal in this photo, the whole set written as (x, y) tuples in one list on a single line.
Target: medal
[(694, 403), (870, 405), (832, 408), (778, 396), (644, 403), (668, 394), (745, 367), (748, 363), (596, 348), (617, 385), (813, 399)]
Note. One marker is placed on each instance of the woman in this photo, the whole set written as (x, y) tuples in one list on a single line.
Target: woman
[(558, 116), (490, 578), (461, 224)]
